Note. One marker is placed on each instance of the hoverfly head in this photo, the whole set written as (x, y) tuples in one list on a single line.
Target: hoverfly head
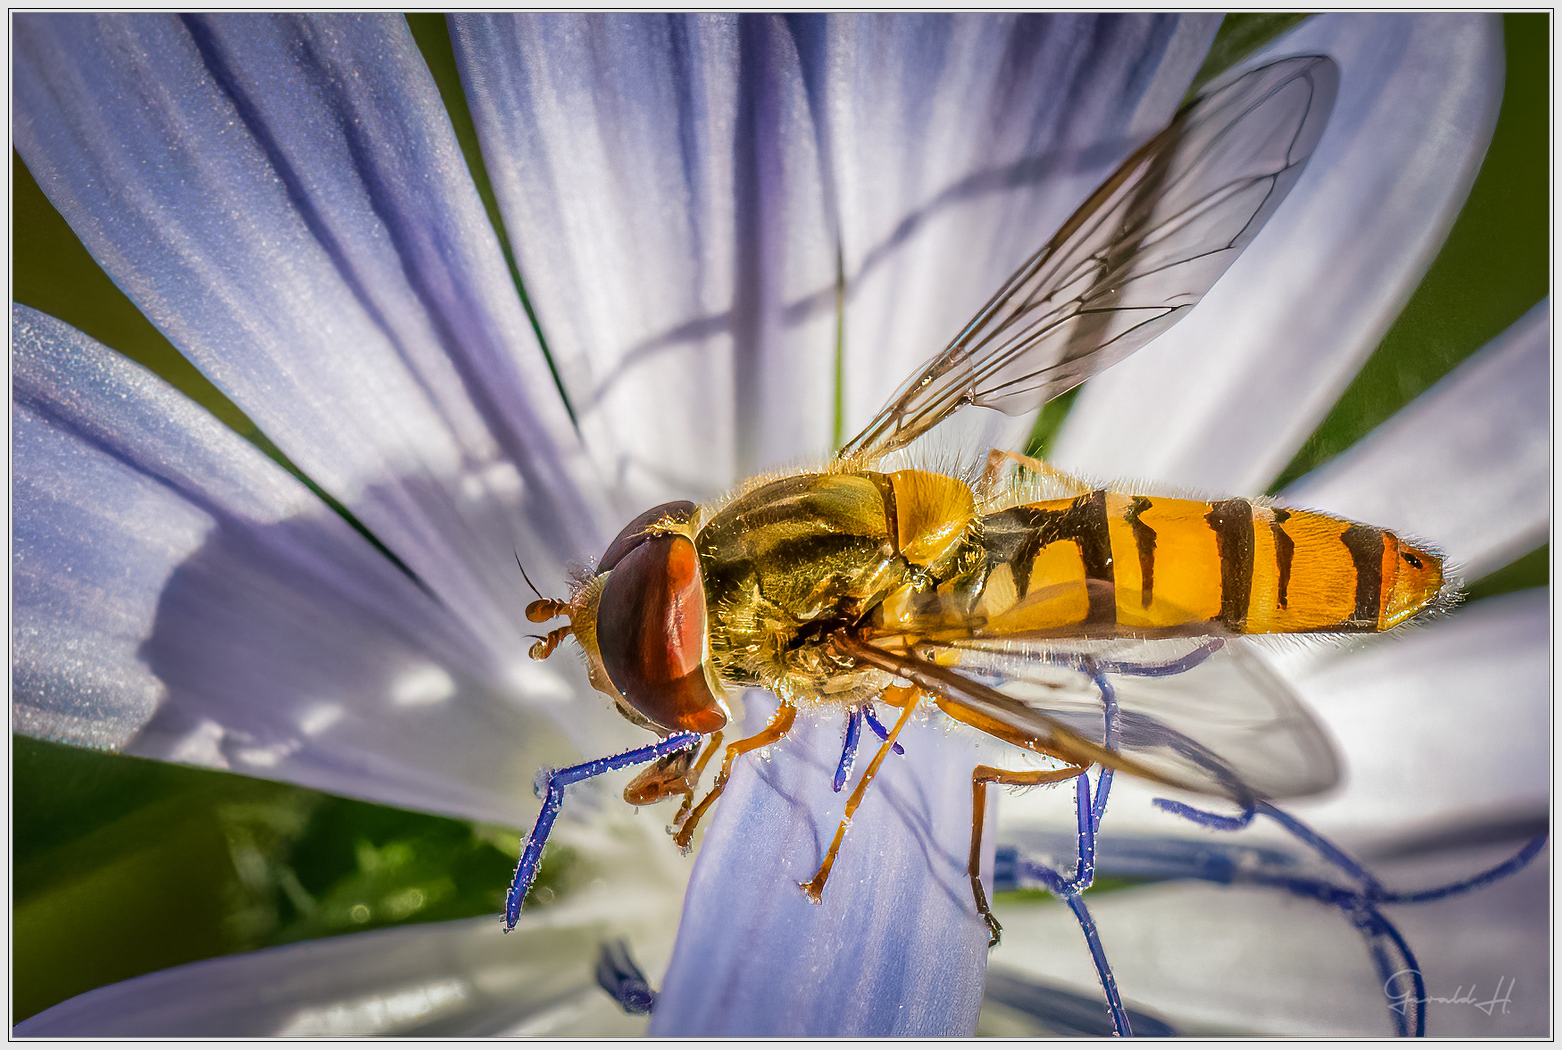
[(642, 622)]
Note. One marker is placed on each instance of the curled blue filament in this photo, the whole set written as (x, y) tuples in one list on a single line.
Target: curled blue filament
[(1392, 957)]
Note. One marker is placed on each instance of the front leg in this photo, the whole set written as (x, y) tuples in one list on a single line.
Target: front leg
[(780, 723), (895, 696)]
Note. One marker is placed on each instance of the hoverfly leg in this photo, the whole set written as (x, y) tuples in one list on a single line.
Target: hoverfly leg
[(814, 889), (550, 787), (543, 647), (779, 724), (997, 457), (981, 776), (693, 781), (667, 776)]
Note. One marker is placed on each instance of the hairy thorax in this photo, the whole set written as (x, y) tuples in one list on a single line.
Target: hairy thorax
[(797, 560)]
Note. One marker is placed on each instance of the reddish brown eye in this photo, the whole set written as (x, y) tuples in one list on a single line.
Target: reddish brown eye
[(634, 533), (651, 634)]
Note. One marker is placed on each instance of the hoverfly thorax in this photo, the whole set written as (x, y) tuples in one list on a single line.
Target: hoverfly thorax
[(642, 621)]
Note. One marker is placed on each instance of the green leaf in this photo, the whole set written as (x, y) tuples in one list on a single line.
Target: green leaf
[(122, 866), (1532, 570)]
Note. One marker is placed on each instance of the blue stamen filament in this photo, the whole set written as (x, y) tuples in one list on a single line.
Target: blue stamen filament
[(1088, 812), (843, 771), (878, 728), (549, 786), (1391, 954), (1392, 957), (854, 720)]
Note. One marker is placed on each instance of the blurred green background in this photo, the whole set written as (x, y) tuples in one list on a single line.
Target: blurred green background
[(121, 866)]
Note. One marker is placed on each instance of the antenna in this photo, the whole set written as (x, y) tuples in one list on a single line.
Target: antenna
[(525, 577)]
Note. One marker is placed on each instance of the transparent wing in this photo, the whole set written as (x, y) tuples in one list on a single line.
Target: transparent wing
[(1133, 259), (1206, 711), (1205, 715)]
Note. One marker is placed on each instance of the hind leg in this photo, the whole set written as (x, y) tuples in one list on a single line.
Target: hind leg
[(996, 458), (981, 776)]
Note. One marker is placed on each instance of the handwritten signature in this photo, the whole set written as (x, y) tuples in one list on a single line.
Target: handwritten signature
[(1400, 1001)]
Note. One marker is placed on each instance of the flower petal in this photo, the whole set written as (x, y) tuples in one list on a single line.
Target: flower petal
[(285, 199), (1442, 724), (1481, 435), (179, 596), (463, 978), (895, 949), (659, 176), (1223, 400), (958, 144)]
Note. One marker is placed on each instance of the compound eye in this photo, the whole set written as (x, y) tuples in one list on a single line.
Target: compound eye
[(634, 533), (651, 634)]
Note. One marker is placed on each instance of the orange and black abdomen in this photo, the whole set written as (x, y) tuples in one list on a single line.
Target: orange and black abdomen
[(1115, 563)]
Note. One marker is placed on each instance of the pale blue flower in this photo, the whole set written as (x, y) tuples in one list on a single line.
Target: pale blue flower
[(285, 199)]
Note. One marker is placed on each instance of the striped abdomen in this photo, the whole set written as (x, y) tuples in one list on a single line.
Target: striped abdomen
[(1113, 563)]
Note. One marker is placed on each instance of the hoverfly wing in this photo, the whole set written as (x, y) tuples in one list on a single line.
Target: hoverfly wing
[(1206, 712), (973, 702), (1132, 260)]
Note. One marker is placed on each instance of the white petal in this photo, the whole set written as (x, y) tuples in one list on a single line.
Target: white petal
[(1446, 723), (464, 978), (659, 178), (285, 199), (1240, 960), (1465, 464), (958, 144), (895, 949), (1223, 400), (179, 596)]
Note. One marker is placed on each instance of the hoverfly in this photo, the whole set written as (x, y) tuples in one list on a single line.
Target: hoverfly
[(872, 581)]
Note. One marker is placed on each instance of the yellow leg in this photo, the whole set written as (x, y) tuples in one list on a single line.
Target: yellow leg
[(780, 722), (980, 778), (674, 774), (814, 890), (544, 646), (997, 457), (712, 746)]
